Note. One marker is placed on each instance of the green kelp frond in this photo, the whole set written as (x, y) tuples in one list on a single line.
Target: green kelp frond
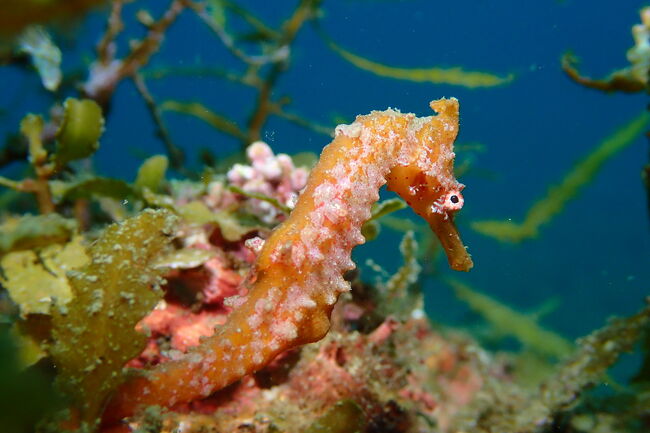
[(94, 335), (558, 196), (29, 231), (35, 280), (455, 76), (78, 135), (305, 159), (29, 350), (508, 322)]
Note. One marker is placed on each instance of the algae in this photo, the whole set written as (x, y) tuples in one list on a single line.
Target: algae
[(45, 55), (37, 280), (35, 231), (371, 228), (232, 226), (259, 196), (456, 76), (544, 210), (94, 186), (77, 137), (505, 408), (185, 258), (345, 416), (94, 335), (79, 133), (507, 321), (395, 295), (151, 173), (25, 394)]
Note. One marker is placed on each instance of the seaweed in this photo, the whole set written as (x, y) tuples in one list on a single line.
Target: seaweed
[(395, 296), (594, 355), (371, 228), (505, 408), (94, 334), (35, 231), (632, 79), (545, 209), (200, 111), (507, 321), (455, 76), (79, 133), (26, 394), (45, 55), (151, 173), (36, 279), (77, 137), (345, 416), (77, 306), (232, 227)]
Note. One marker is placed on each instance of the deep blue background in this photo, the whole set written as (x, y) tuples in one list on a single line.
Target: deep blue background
[(594, 255)]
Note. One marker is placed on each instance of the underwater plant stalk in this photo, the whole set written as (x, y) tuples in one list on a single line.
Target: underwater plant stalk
[(298, 275), (547, 207)]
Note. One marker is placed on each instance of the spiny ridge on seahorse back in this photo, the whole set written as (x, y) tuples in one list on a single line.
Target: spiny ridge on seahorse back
[(298, 275)]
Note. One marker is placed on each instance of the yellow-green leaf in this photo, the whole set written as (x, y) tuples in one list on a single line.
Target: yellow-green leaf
[(35, 231), (35, 280), (151, 173), (78, 135), (94, 336)]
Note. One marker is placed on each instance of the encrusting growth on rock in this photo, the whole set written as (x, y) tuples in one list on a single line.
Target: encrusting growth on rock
[(298, 275)]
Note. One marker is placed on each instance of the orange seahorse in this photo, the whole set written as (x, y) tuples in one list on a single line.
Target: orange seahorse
[(298, 275)]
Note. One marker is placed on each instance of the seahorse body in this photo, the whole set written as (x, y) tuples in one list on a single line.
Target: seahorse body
[(298, 275)]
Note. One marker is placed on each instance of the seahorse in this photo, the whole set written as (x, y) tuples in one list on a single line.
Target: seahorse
[(298, 274)]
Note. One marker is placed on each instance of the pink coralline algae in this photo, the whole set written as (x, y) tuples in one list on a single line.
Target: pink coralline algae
[(272, 175), (404, 376)]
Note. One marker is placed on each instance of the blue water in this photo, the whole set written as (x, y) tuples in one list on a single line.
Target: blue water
[(594, 256)]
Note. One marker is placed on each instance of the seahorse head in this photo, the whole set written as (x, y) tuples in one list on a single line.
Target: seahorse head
[(427, 181)]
